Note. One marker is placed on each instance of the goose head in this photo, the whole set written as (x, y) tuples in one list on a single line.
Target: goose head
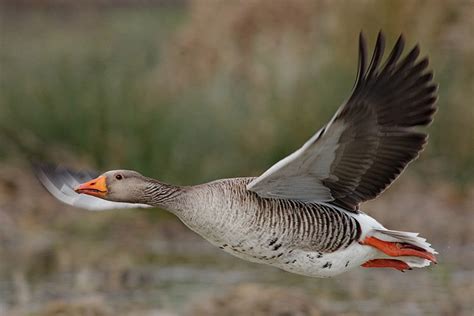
[(117, 186)]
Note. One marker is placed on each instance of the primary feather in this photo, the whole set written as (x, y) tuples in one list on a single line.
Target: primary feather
[(370, 139)]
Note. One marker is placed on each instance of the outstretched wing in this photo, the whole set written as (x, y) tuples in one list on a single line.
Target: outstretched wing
[(369, 141), (60, 182)]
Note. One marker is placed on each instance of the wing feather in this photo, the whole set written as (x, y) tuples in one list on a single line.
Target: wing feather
[(369, 141)]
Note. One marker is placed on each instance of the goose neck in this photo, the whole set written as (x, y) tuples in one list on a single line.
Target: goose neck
[(163, 195)]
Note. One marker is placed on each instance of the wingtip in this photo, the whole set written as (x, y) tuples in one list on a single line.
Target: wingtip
[(400, 43), (362, 59), (35, 165), (401, 38), (380, 36), (414, 53), (362, 40), (38, 168), (42, 169), (381, 40)]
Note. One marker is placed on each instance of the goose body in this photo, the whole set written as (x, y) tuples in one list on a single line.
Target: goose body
[(302, 215), (305, 238)]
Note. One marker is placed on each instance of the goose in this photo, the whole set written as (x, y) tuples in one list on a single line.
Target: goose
[(303, 214)]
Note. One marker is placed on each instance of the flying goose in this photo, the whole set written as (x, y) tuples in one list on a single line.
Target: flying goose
[(302, 215)]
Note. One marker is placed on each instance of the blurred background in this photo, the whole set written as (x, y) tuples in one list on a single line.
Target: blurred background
[(191, 91)]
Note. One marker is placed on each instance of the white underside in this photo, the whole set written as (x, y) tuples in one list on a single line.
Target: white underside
[(331, 264), (311, 263)]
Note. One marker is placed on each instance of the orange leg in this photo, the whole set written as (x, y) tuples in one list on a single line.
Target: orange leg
[(387, 263), (397, 249)]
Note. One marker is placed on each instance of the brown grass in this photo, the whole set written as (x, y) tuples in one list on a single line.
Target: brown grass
[(105, 252), (256, 300)]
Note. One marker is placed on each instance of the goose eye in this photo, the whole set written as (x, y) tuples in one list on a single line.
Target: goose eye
[(119, 177)]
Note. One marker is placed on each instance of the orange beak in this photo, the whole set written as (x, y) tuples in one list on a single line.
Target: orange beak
[(96, 187)]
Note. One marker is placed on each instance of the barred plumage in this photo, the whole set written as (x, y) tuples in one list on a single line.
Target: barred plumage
[(314, 226)]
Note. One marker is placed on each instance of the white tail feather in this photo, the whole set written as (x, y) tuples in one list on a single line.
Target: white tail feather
[(415, 262), (410, 238)]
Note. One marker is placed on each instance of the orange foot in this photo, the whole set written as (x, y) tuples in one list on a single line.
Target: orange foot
[(387, 263), (397, 249)]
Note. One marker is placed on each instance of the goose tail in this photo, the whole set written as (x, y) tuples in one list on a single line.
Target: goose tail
[(400, 250)]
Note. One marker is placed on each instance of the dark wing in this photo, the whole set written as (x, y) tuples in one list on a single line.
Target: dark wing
[(61, 182), (370, 139)]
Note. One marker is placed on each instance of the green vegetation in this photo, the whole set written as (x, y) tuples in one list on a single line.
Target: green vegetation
[(79, 85), (187, 101)]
